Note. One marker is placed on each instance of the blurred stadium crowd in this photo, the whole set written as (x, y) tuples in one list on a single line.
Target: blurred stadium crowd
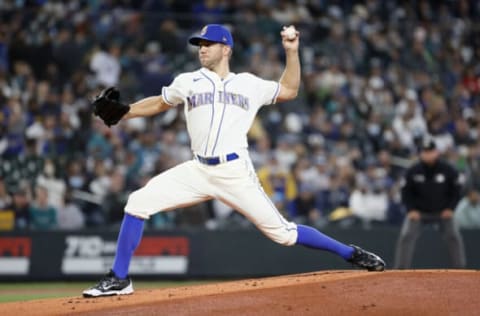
[(377, 76)]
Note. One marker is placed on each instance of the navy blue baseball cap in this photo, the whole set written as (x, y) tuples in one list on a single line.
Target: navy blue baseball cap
[(214, 33)]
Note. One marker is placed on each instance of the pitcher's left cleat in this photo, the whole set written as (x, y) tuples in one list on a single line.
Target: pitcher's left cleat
[(109, 285), (367, 260)]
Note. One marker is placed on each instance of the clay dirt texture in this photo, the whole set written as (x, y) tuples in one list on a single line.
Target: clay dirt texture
[(339, 292)]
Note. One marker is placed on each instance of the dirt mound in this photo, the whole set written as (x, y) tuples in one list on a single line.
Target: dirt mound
[(413, 292)]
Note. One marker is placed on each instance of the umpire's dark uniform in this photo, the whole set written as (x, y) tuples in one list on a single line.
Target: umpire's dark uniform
[(430, 193)]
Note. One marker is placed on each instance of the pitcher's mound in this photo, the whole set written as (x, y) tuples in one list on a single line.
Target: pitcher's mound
[(410, 292)]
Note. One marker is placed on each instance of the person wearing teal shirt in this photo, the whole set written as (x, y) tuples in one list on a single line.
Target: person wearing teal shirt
[(467, 212), (42, 215)]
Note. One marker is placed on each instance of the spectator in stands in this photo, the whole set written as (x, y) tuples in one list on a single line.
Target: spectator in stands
[(98, 145), (439, 124), (304, 209), (21, 199), (69, 49), (396, 210), (7, 216), (189, 217), (155, 70), (43, 215), (409, 125), (3, 51), (278, 183), (463, 133), (5, 198), (290, 12), (75, 175), (30, 163), (168, 34), (148, 149), (174, 147), (15, 123), (55, 186), (379, 98), (467, 212), (106, 65), (114, 199), (261, 151), (98, 186), (306, 173), (3, 137), (285, 152), (134, 164), (369, 203), (336, 196), (70, 216)]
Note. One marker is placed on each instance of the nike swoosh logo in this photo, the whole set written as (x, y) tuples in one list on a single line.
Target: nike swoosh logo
[(108, 287), (196, 79)]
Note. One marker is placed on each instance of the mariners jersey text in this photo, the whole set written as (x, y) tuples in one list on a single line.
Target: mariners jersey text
[(208, 98)]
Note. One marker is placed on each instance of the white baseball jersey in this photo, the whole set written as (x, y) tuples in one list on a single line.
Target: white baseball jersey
[(219, 113)]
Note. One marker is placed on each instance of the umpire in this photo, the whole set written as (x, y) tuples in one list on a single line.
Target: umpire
[(430, 193)]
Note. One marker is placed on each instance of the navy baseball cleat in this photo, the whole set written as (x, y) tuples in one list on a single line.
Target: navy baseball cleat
[(109, 285), (367, 260)]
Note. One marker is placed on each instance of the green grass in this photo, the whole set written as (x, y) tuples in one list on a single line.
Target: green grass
[(27, 297), (12, 292)]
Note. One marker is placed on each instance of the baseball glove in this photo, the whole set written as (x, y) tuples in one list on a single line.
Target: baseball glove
[(108, 107)]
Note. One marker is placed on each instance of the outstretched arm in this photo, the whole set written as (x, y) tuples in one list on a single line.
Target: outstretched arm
[(107, 105), (147, 107), (290, 79)]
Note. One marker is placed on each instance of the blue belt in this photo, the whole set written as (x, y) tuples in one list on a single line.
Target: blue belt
[(211, 161)]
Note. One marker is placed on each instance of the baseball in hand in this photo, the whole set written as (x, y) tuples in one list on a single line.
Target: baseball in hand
[(290, 32)]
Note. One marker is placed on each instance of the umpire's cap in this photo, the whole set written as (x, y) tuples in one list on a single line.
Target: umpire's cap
[(427, 144), (214, 33)]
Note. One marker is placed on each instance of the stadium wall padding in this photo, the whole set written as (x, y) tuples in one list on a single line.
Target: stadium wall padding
[(187, 254)]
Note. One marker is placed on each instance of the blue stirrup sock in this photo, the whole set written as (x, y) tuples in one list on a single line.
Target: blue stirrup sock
[(128, 240), (312, 238)]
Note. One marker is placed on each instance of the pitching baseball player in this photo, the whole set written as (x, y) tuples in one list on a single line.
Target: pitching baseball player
[(219, 107)]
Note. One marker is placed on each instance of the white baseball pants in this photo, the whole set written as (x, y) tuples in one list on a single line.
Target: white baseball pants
[(234, 183)]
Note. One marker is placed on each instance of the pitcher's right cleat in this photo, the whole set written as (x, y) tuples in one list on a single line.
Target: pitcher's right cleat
[(367, 260), (109, 285)]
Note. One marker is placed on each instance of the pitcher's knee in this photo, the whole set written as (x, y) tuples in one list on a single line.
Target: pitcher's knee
[(286, 236), (138, 214), (137, 206)]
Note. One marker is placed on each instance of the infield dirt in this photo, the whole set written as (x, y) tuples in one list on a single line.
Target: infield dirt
[(343, 292)]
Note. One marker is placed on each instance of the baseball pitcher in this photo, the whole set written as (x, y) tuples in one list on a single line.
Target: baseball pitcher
[(219, 107)]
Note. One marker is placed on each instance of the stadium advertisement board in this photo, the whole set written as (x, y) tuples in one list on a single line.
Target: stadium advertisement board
[(94, 254), (181, 254)]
